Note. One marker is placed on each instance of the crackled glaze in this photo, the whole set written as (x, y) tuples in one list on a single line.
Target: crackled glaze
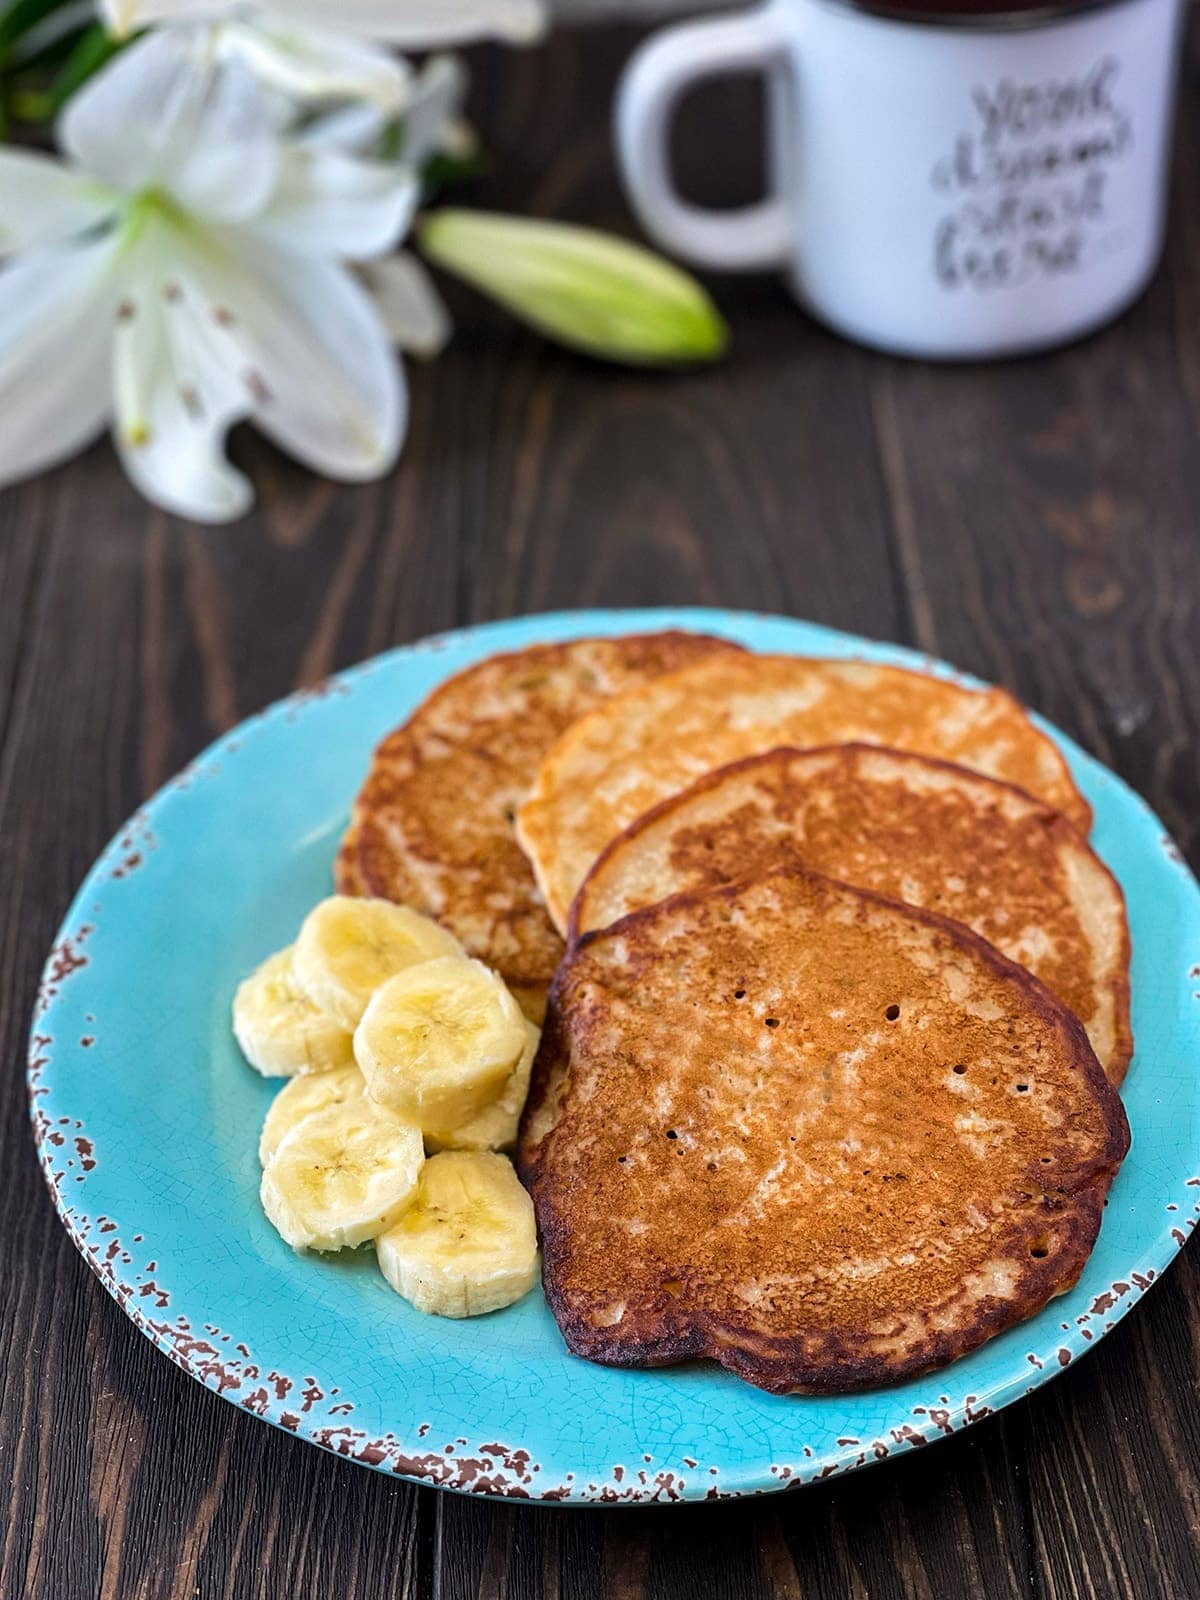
[(144, 1118)]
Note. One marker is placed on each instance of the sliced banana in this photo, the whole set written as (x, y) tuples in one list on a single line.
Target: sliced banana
[(281, 1032), (438, 1041), (341, 1176), (468, 1242), (495, 1127), (348, 947), (302, 1098)]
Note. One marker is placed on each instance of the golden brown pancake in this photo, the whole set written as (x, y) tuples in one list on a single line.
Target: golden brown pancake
[(632, 752), (908, 827), (433, 824), (346, 876), (823, 1138)]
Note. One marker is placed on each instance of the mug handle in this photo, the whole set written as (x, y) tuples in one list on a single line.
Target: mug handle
[(754, 237)]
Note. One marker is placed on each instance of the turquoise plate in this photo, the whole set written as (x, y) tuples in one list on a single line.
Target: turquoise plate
[(146, 1121)]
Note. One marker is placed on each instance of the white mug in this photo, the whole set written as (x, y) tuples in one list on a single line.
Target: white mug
[(940, 186)]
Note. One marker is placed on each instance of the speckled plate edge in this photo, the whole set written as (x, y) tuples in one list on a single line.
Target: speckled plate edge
[(223, 1362)]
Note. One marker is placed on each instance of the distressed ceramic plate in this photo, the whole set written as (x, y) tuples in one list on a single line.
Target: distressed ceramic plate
[(146, 1121)]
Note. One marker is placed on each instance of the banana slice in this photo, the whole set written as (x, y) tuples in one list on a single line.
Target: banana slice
[(280, 1030), (302, 1098), (348, 947), (438, 1041), (495, 1127), (341, 1176), (468, 1242)]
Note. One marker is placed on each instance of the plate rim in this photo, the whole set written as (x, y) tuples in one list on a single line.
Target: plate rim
[(505, 1472)]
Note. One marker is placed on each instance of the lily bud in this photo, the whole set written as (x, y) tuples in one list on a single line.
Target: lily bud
[(585, 289)]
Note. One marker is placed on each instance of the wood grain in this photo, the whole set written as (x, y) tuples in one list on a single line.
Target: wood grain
[(1036, 522)]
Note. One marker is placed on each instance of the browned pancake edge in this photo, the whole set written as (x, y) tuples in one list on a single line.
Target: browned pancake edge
[(666, 1330), (706, 864), (432, 824)]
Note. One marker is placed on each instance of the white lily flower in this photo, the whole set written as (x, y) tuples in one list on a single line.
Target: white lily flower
[(403, 291), (305, 61), (412, 310), (188, 269), (299, 62), (412, 24), (430, 119)]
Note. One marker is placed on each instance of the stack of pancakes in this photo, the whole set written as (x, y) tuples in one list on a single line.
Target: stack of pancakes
[(838, 992), (433, 826)]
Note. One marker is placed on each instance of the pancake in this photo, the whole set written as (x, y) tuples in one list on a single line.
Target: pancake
[(823, 1138), (908, 827), (346, 877), (433, 824), (634, 751)]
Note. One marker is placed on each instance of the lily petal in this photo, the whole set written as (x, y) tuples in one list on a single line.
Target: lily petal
[(435, 101), (56, 311), (123, 17), (356, 128), (169, 114), (314, 63), (177, 390), (326, 384), (416, 24), (334, 204), (412, 310), (420, 24), (43, 202), (432, 100)]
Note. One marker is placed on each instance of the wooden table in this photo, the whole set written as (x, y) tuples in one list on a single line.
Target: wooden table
[(1036, 523)]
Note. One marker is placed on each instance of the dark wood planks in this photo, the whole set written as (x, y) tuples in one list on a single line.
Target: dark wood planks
[(144, 640), (1036, 522)]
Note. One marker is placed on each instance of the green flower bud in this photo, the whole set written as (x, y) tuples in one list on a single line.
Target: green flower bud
[(585, 289)]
